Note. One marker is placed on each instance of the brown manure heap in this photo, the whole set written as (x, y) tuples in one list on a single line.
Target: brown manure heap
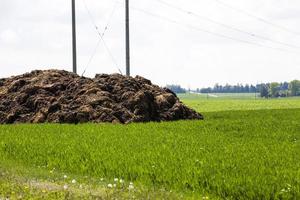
[(56, 96)]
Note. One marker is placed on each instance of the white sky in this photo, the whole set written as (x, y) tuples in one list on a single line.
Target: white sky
[(36, 34)]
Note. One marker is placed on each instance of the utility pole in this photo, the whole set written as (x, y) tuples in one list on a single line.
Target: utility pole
[(74, 37), (127, 39)]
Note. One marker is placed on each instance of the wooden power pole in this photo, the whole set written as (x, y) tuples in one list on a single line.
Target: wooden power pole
[(127, 39), (74, 37)]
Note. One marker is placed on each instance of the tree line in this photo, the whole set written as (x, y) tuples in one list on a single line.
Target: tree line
[(176, 88), (239, 88), (275, 89), (266, 90)]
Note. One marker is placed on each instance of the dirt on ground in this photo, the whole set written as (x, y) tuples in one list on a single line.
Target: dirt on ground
[(56, 96)]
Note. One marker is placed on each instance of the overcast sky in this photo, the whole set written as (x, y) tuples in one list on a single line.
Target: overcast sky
[(36, 34)]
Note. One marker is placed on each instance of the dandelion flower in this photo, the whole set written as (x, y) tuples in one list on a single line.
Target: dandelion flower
[(130, 187)]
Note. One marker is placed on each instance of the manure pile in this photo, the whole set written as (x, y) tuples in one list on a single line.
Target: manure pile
[(56, 96)]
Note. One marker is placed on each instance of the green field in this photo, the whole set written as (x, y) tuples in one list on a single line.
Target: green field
[(219, 96), (234, 102), (244, 149)]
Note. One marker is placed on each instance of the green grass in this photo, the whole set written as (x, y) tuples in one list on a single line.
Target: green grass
[(237, 102), (240, 152), (211, 96)]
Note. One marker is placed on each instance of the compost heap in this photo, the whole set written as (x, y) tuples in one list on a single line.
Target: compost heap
[(56, 96)]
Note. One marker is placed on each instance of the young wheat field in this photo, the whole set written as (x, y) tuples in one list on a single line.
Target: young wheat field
[(246, 148)]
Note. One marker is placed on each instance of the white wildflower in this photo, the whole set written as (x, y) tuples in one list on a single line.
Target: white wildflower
[(116, 179), (101, 179), (121, 181), (283, 190), (66, 187), (115, 185), (73, 181), (130, 187), (65, 176), (109, 185)]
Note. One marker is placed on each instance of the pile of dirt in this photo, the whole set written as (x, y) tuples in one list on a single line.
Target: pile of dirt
[(57, 96)]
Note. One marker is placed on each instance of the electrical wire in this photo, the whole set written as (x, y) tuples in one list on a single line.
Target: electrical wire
[(226, 25), (91, 57), (257, 18), (110, 17), (101, 35), (209, 32)]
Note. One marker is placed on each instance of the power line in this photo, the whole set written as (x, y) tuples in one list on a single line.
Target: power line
[(91, 57), (103, 33), (258, 18), (101, 36), (208, 31), (226, 25), (110, 17)]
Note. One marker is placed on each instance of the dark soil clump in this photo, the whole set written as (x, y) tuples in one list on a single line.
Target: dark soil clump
[(56, 96)]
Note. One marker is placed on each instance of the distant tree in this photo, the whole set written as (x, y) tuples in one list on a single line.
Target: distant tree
[(294, 88), (176, 88), (284, 86), (239, 88), (206, 90), (216, 88), (253, 89), (264, 91), (247, 88), (274, 89)]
